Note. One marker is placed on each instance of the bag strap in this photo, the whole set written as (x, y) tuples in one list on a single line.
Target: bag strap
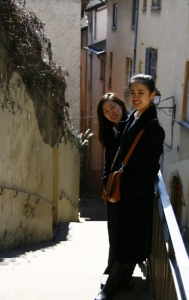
[(115, 158), (125, 161)]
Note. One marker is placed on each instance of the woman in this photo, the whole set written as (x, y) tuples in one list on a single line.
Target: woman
[(130, 219)]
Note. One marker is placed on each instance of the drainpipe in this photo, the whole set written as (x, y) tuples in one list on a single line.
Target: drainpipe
[(91, 64), (86, 54), (135, 36), (85, 102), (95, 28), (103, 90), (92, 27)]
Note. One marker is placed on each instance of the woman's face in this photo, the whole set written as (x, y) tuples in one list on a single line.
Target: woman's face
[(140, 97), (112, 111)]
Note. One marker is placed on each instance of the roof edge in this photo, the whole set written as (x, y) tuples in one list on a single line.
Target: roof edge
[(96, 6)]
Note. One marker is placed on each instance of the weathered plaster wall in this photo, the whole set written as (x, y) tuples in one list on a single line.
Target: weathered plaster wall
[(23, 221), (62, 25), (69, 170), (26, 161), (26, 165), (30, 167)]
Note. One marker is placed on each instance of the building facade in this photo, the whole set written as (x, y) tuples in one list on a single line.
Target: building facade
[(120, 47), (152, 37), (163, 51), (93, 62)]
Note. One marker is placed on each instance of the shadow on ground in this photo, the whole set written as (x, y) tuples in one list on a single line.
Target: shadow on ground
[(92, 208)]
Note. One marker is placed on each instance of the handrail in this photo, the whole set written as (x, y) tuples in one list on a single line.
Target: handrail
[(27, 193), (169, 260)]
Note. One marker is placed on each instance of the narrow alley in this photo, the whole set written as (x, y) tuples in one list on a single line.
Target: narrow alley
[(70, 266)]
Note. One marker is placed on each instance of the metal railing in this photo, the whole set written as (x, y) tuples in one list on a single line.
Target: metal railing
[(27, 194), (168, 263)]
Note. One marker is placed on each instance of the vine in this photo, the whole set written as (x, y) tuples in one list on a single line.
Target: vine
[(6, 98), (30, 55)]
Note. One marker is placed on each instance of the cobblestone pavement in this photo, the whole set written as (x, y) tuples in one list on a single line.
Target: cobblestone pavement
[(70, 266)]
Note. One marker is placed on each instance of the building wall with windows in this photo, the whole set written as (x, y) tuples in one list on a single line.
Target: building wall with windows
[(93, 60), (120, 45), (163, 51)]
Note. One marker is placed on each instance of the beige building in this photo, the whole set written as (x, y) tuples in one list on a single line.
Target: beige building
[(163, 51), (93, 61), (62, 25), (120, 47), (140, 39)]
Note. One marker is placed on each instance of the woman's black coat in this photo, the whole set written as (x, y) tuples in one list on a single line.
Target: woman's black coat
[(130, 219)]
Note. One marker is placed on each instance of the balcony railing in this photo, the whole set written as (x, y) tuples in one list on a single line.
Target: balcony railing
[(169, 263)]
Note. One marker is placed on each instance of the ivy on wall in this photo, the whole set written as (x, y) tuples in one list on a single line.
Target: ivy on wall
[(30, 55)]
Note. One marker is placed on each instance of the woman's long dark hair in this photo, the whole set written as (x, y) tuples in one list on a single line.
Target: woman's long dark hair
[(103, 123)]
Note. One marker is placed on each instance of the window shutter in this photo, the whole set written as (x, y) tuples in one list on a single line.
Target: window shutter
[(147, 61), (153, 63)]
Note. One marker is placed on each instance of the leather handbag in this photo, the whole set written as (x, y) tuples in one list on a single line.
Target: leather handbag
[(112, 192)]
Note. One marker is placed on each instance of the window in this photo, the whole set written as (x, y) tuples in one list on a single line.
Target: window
[(128, 73), (144, 4), (114, 21), (110, 71), (133, 13), (151, 62), (185, 107), (140, 67), (129, 67), (102, 69), (156, 3)]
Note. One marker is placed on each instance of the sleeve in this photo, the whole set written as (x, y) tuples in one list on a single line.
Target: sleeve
[(146, 164)]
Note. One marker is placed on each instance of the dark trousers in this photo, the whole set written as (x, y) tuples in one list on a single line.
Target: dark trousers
[(111, 260)]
